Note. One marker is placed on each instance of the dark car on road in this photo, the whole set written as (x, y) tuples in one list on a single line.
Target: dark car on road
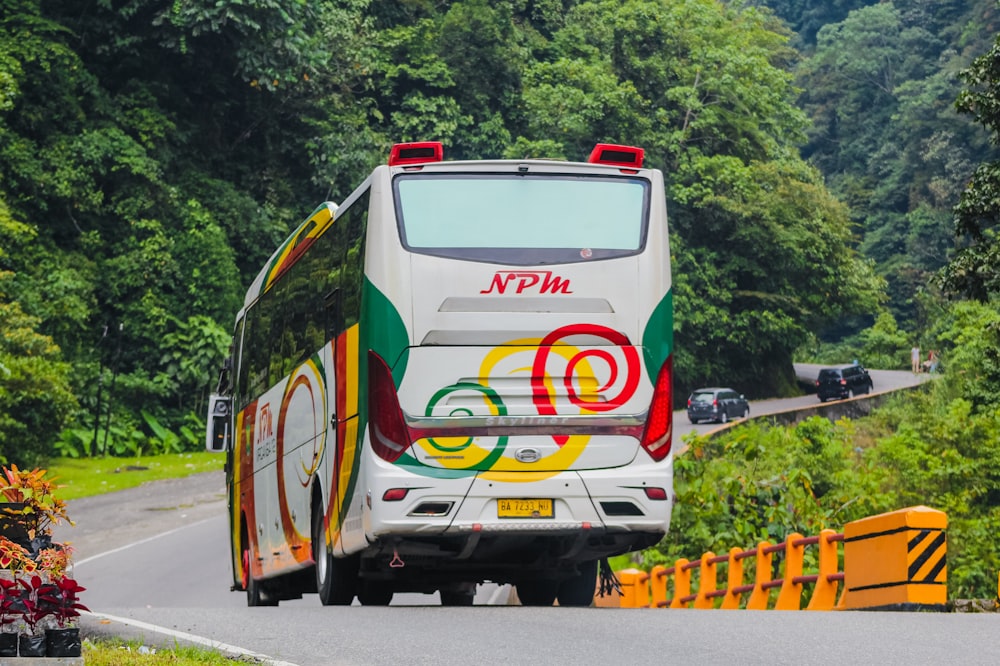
[(717, 404), (843, 381)]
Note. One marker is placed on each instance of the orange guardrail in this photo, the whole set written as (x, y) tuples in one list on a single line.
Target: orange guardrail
[(738, 594), (892, 561)]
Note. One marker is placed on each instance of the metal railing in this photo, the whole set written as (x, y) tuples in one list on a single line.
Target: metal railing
[(671, 587)]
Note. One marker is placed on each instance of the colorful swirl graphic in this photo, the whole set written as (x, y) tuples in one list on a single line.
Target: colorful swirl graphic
[(575, 366)]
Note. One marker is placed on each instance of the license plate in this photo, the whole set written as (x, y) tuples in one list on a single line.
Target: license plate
[(524, 508)]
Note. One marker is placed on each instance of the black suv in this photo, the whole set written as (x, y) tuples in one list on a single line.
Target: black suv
[(717, 404), (843, 381)]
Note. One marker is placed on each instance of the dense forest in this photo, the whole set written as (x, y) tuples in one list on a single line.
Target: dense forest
[(152, 155)]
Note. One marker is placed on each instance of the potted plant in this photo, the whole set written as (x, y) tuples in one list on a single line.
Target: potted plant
[(60, 601), (31, 639), (28, 508)]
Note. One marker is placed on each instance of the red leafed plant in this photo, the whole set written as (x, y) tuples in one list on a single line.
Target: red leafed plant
[(9, 611), (27, 603), (59, 600)]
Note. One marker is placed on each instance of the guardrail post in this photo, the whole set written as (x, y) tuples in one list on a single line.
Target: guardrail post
[(635, 591), (759, 597), (706, 582), (824, 594), (790, 595), (682, 583), (658, 586), (897, 561), (734, 580)]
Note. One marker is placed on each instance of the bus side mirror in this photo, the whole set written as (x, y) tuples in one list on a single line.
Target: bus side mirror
[(217, 430)]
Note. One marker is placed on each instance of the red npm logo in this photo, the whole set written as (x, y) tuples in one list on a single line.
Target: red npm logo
[(265, 424), (543, 282)]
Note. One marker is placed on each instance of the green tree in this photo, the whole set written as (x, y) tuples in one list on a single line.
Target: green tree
[(35, 394), (703, 87), (975, 270), (879, 90)]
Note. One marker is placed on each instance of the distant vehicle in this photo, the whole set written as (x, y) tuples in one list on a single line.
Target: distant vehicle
[(717, 404), (843, 381)]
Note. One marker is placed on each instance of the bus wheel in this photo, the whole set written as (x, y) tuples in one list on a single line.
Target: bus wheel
[(257, 595), (335, 577), (374, 594), (537, 592), (579, 590)]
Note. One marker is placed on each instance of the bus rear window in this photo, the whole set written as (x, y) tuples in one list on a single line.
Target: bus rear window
[(519, 219)]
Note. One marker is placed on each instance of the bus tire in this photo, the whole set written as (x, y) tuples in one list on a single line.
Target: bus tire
[(257, 593), (579, 590), (372, 593), (336, 578), (537, 592)]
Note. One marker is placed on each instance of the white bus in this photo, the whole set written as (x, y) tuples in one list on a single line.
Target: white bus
[(461, 374)]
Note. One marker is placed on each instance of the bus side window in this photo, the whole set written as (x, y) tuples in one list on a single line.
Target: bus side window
[(312, 299), (334, 273), (354, 261), (238, 373), (295, 295), (274, 340), (254, 359)]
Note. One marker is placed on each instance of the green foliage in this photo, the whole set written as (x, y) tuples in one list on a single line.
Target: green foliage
[(165, 440), (157, 154), (975, 271), (939, 447), (192, 355), (970, 341), (737, 318), (35, 396), (879, 90), (884, 345), (761, 483)]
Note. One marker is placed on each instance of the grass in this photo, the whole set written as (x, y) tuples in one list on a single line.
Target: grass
[(109, 652), (84, 477)]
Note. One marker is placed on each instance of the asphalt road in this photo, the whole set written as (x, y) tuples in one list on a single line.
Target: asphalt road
[(155, 562), (884, 381)]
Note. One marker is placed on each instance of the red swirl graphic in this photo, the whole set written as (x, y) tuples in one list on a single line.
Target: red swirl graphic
[(543, 399), (296, 541)]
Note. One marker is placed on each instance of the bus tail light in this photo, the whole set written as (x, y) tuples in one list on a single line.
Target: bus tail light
[(615, 155), (395, 494), (387, 428), (416, 153), (659, 421)]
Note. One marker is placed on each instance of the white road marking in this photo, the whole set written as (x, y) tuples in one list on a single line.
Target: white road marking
[(138, 543), (200, 640)]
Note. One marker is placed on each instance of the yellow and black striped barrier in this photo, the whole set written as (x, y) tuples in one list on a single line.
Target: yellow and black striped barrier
[(897, 560), (893, 561)]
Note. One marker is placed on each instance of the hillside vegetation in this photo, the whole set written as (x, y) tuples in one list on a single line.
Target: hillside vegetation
[(937, 447), (831, 189)]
